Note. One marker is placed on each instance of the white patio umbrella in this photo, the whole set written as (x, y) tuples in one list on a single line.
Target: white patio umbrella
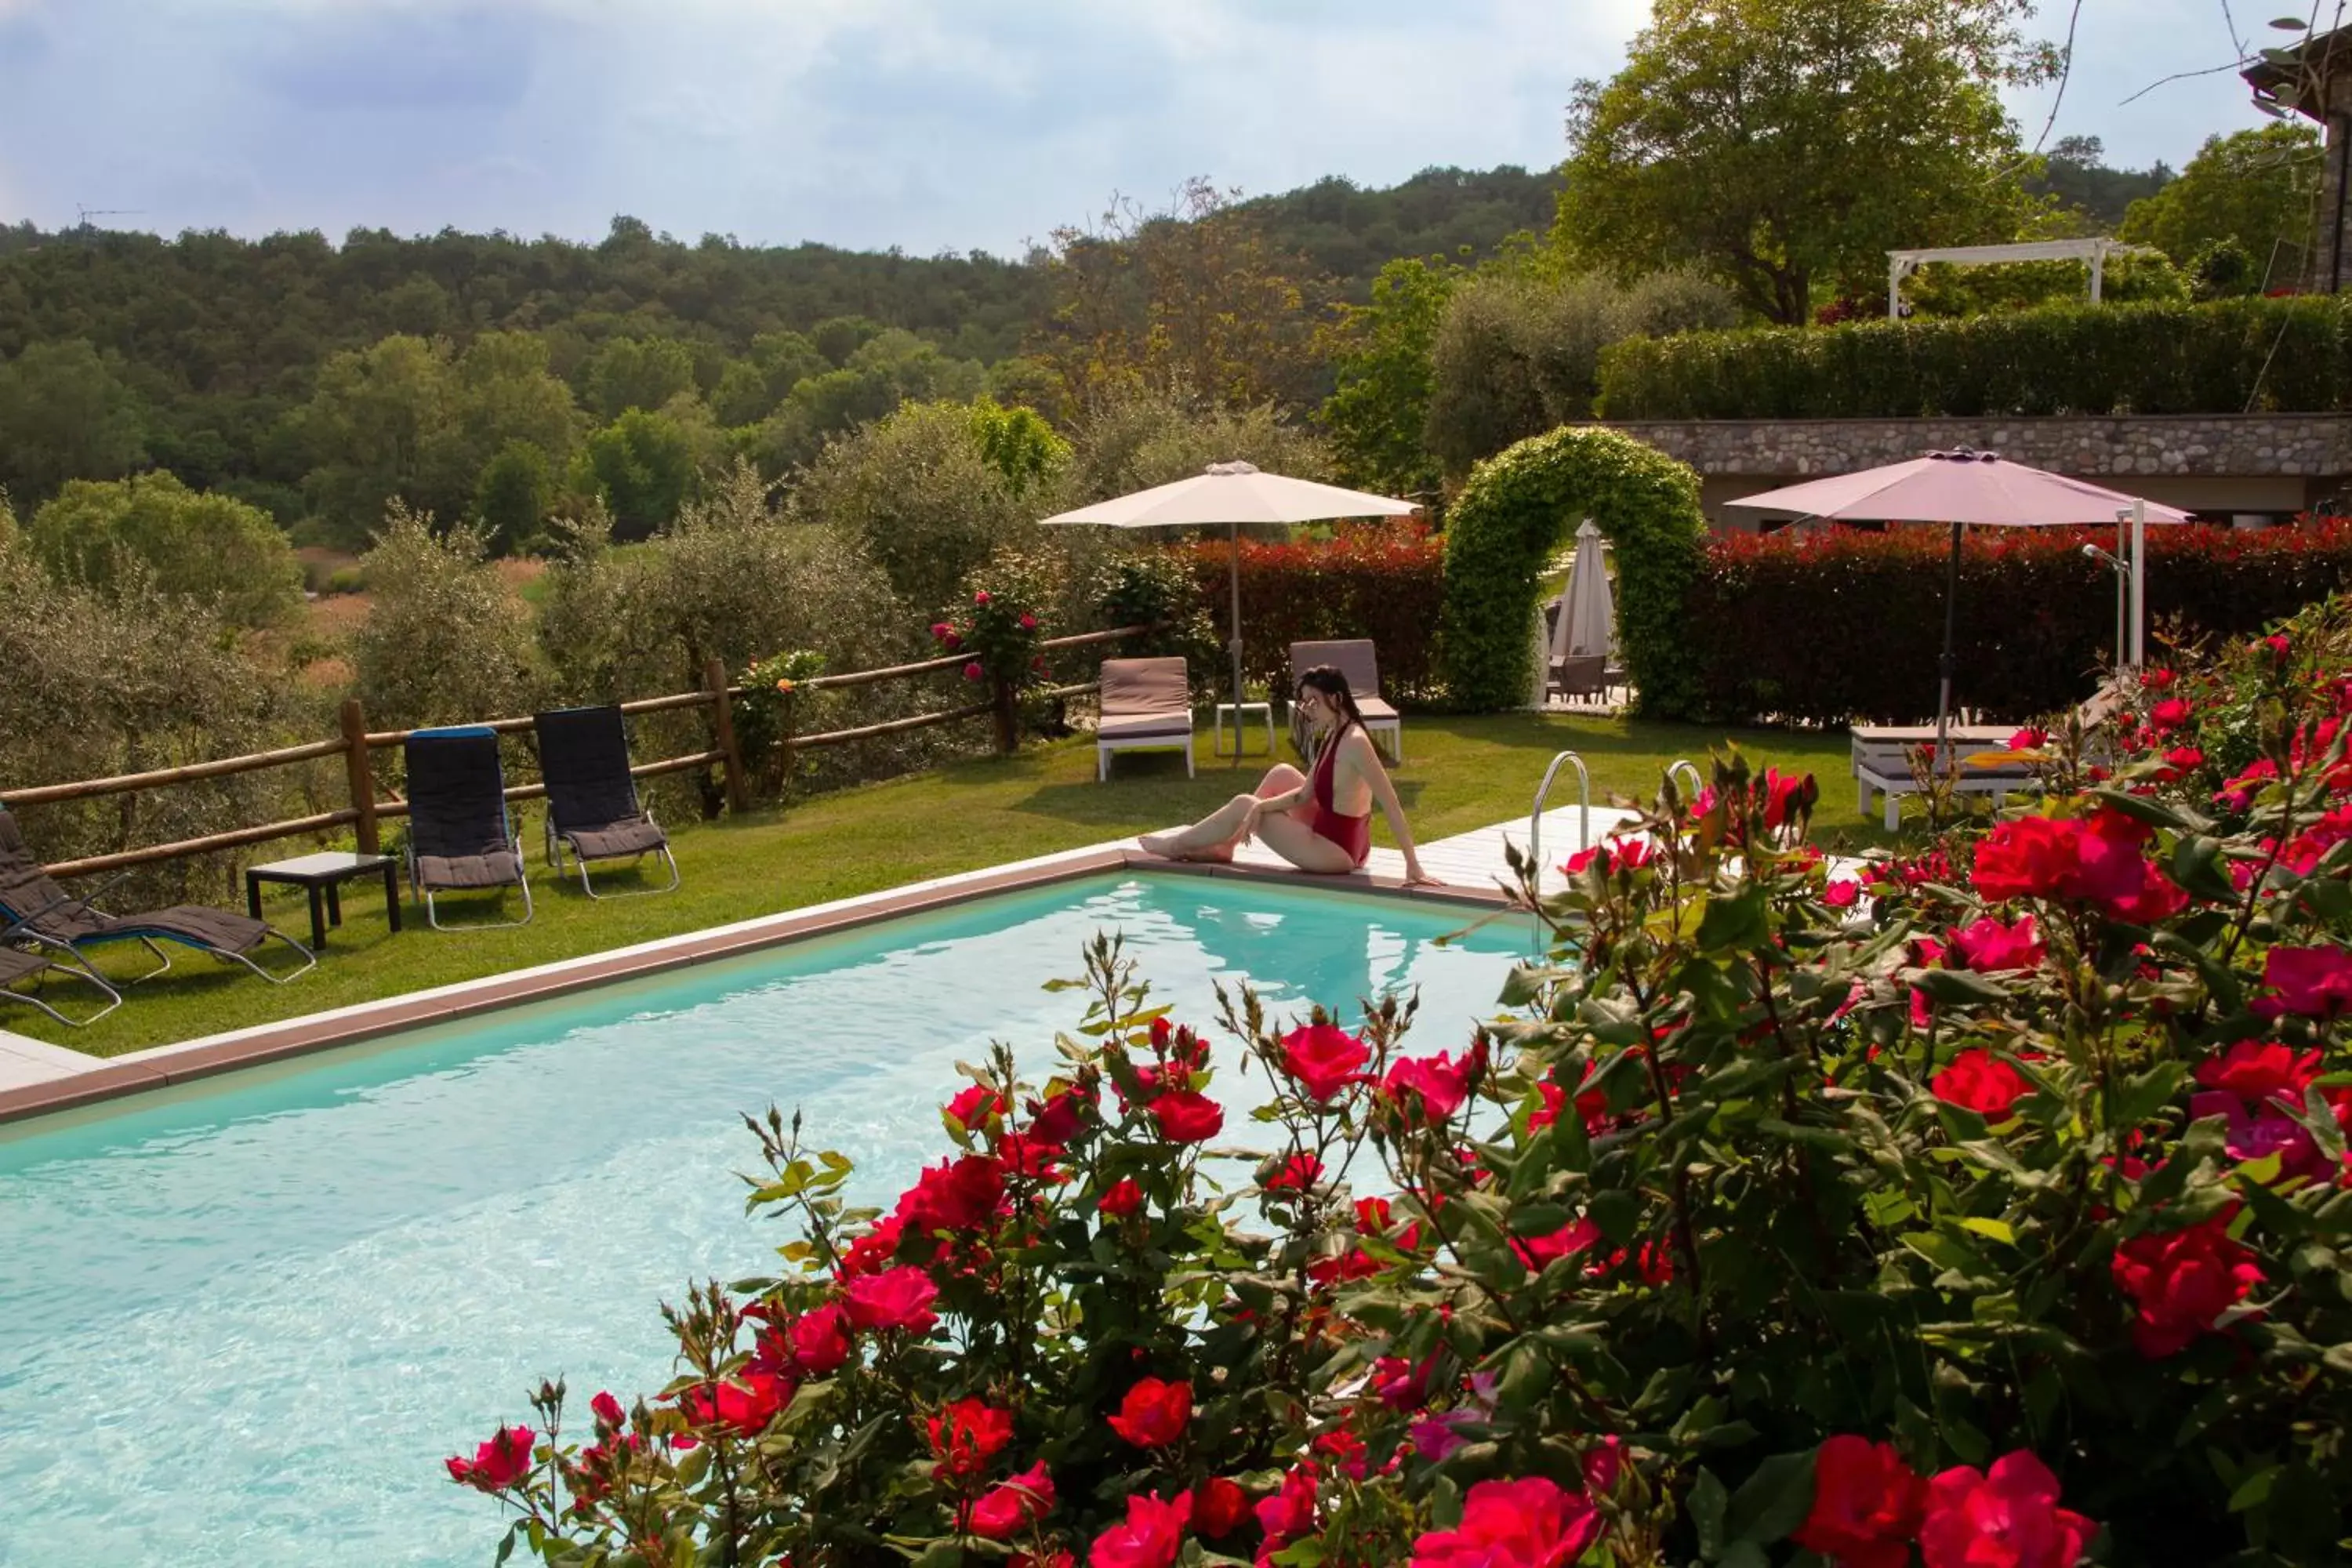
[(1963, 487), (1588, 618), (1231, 494)]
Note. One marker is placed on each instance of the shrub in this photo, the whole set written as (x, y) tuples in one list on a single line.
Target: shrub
[(443, 641), (2001, 1210), (129, 678), (922, 496), (206, 547), (1163, 589), (2223, 357), (1846, 625), (1132, 441), (1516, 509), (1382, 581)]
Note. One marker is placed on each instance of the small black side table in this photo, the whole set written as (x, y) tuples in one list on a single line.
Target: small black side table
[(324, 872)]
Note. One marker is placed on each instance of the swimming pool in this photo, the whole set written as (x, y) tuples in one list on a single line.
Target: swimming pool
[(241, 1322)]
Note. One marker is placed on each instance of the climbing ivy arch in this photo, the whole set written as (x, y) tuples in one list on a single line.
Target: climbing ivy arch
[(1518, 507)]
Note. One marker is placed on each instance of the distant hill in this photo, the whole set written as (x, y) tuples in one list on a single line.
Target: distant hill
[(1352, 232)]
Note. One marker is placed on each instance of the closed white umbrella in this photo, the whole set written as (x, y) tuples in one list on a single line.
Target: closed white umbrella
[(1587, 619), (1231, 494)]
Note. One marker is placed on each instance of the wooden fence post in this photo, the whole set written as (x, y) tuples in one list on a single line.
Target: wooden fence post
[(1007, 716), (723, 731), (361, 777)]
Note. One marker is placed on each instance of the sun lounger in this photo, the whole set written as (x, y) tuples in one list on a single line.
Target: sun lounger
[(1147, 706), (1358, 660), (39, 911), (460, 840), (1882, 763), (591, 798), (18, 966)]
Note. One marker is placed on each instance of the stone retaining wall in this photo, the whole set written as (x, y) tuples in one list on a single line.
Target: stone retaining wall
[(2218, 446)]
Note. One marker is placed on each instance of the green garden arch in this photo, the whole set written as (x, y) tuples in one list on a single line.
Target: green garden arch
[(1518, 507)]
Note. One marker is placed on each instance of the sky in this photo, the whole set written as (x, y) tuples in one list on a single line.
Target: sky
[(933, 125)]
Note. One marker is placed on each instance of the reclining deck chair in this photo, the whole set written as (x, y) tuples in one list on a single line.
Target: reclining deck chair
[(1147, 706), (39, 911), (460, 838), (592, 799), (16, 964), (1356, 658)]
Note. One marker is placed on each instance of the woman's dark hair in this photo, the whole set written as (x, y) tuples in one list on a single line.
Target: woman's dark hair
[(1326, 680)]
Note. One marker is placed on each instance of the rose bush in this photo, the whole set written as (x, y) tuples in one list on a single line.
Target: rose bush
[(998, 637), (1995, 1213)]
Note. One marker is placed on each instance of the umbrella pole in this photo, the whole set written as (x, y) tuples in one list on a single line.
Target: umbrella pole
[(1944, 665), (1235, 644)]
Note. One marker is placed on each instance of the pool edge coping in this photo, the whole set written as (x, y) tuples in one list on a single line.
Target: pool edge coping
[(183, 1061)]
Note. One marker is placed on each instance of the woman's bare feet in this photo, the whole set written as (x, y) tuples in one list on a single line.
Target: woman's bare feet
[(1171, 847)]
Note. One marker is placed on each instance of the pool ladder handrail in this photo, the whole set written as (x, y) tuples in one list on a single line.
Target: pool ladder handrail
[(1583, 817), (1681, 765)]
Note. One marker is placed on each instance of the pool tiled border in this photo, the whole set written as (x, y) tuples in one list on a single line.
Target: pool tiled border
[(37, 1079)]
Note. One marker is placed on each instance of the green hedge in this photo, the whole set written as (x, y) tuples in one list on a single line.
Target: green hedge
[(2228, 357), (1385, 583), (1845, 626), (1523, 502)]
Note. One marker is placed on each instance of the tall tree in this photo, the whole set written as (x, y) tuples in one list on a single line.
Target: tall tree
[(64, 414), (206, 547), (1376, 415), (2257, 188), (1783, 143)]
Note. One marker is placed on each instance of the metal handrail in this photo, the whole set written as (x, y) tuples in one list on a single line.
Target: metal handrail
[(1583, 816), (1681, 765)]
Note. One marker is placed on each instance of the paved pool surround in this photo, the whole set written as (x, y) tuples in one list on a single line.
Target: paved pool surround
[(38, 1078)]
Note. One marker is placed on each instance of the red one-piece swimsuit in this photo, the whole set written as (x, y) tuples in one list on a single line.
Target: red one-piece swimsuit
[(1353, 833)]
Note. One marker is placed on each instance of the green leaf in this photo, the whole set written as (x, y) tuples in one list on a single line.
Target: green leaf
[(1998, 1229), (1733, 924), (1774, 1501), (1617, 1211), (2254, 1490), (1745, 1554), (1708, 1503), (1960, 987), (2196, 866), (2135, 1099)]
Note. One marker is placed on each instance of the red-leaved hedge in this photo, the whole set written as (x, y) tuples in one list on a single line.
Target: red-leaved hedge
[(1845, 625), (1385, 582)]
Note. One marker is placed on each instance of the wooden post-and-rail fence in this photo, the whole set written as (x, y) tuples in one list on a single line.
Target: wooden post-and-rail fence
[(366, 812)]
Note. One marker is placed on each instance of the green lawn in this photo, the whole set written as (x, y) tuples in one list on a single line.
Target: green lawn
[(1461, 773)]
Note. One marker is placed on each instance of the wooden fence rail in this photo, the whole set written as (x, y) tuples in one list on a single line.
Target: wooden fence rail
[(366, 811)]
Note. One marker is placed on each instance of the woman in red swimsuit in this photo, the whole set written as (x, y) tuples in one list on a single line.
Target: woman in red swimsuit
[(1319, 821)]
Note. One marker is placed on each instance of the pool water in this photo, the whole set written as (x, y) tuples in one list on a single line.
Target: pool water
[(241, 1322)]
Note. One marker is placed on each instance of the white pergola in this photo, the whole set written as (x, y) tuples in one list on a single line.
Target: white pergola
[(1901, 264)]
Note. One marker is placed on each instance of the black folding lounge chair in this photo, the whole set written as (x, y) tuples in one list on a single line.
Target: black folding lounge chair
[(591, 801), (460, 838), (42, 913), (17, 965)]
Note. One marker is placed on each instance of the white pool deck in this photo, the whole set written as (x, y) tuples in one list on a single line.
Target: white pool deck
[(31, 1070)]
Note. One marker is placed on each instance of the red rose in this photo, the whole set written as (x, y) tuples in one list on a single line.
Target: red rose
[(965, 1435), (941, 630), (2309, 982), (2026, 856), (1866, 1505), (2254, 1071), (2169, 714), (972, 671), (980, 598), (2027, 739), (2007, 1519), (1536, 1251), (1979, 1081), (744, 1405), (957, 1197), (1986, 946), (2280, 647), (1028, 622), (1219, 1507), (975, 1106), (1059, 1118), (607, 1410), (1188, 1116), (1289, 1513), (1603, 1463), (2181, 1281), (895, 1298), (1123, 1199), (498, 1464), (1302, 1173), (1437, 1085), (1151, 1536), (1787, 796), (1155, 1413), (1528, 1523), (819, 1339), (1842, 894), (1324, 1060), (1006, 1509)]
